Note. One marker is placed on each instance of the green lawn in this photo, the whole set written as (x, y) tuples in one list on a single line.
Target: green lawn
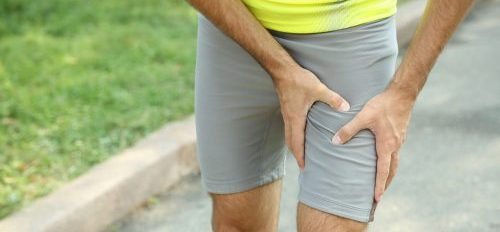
[(81, 80)]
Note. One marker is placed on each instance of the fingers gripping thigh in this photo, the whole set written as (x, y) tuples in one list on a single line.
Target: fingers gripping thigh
[(340, 179)]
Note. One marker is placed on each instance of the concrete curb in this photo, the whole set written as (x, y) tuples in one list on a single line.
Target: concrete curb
[(111, 189)]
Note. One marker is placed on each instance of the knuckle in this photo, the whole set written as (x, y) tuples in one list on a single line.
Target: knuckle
[(396, 138), (390, 178), (391, 142), (396, 158), (337, 101), (320, 88), (369, 118), (342, 132), (399, 139)]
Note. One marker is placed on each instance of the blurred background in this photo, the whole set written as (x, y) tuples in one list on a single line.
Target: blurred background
[(81, 80)]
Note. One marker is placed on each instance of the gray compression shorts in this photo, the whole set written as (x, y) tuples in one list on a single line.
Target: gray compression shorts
[(240, 129)]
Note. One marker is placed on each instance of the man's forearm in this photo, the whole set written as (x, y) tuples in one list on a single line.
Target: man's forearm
[(235, 20), (440, 19)]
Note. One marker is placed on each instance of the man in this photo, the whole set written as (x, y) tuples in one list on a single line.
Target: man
[(320, 77)]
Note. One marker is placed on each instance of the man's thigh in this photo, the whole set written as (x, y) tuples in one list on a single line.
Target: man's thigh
[(239, 127), (358, 63), (240, 135)]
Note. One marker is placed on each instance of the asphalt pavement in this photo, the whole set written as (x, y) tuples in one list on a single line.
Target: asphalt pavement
[(449, 175)]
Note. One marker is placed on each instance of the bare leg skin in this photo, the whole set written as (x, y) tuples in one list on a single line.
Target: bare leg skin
[(254, 210), (313, 220)]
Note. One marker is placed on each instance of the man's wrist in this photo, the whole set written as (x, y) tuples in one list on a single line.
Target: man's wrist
[(284, 69), (404, 86), (407, 91)]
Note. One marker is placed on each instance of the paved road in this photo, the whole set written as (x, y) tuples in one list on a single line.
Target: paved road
[(449, 176)]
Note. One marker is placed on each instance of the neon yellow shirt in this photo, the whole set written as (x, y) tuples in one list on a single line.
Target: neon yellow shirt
[(312, 16)]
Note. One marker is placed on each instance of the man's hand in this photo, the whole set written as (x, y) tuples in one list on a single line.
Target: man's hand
[(297, 93), (387, 115)]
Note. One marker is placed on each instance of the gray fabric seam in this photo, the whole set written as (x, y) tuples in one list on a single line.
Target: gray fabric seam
[(264, 142), (338, 203)]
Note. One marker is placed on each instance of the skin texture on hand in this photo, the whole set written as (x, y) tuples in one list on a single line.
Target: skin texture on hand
[(388, 114)]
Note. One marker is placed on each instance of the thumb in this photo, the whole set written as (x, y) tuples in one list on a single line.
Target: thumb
[(333, 99), (345, 133)]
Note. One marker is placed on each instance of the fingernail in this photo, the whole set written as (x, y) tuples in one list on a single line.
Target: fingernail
[(336, 139), (344, 106)]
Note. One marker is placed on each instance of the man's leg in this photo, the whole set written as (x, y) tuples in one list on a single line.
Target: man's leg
[(337, 183), (254, 210), (310, 219), (240, 134)]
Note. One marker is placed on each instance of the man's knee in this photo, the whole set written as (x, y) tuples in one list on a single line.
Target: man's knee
[(253, 210), (231, 212)]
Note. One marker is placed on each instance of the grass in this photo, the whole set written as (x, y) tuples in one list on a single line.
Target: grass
[(81, 80)]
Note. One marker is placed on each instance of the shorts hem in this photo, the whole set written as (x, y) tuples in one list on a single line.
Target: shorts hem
[(332, 207), (244, 185)]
